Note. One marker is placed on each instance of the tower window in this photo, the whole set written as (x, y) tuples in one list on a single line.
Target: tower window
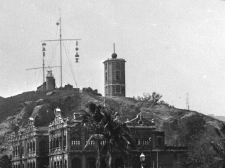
[(159, 141), (105, 66), (106, 90), (117, 89), (117, 75), (106, 76), (117, 65)]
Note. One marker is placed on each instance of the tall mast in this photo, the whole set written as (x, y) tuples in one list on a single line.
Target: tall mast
[(43, 50), (59, 23), (60, 39)]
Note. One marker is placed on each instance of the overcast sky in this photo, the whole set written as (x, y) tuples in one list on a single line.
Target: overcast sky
[(172, 47)]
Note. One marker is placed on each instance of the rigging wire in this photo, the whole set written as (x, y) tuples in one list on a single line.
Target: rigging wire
[(39, 74), (70, 65), (53, 49), (35, 78), (53, 54)]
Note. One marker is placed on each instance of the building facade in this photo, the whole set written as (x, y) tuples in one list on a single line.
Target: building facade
[(61, 145), (30, 147), (114, 76)]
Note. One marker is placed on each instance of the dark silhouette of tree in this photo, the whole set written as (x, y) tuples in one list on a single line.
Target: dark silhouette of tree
[(194, 135), (219, 147), (13, 126), (91, 91), (5, 162), (108, 132)]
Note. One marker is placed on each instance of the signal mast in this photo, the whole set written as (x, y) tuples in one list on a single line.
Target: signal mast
[(43, 67), (59, 23)]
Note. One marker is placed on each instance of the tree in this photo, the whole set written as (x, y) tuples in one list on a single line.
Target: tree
[(196, 136), (106, 127), (219, 147), (5, 162), (13, 126), (91, 91), (153, 98)]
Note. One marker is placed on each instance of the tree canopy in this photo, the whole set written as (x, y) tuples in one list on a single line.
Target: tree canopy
[(106, 126)]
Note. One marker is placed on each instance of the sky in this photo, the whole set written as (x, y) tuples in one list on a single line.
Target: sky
[(171, 47)]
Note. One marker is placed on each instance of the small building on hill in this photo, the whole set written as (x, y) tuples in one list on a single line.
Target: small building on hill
[(61, 145)]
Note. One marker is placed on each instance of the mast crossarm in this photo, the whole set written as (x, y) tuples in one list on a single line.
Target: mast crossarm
[(62, 40), (42, 67)]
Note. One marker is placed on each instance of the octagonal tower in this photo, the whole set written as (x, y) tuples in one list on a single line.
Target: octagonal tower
[(114, 76)]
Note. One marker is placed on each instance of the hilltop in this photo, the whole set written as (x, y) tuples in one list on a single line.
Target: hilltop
[(40, 106), (178, 124)]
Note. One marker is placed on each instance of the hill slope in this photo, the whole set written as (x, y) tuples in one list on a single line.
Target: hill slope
[(175, 122)]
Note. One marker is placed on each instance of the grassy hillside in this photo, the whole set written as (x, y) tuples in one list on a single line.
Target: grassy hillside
[(179, 124)]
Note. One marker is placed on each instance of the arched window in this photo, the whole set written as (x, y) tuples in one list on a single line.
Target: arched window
[(34, 164), (75, 140), (106, 76), (42, 147), (60, 142), (136, 162), (145, 141), (91, 163), (33, 145), (28, 147), (65, 164), (76, 163), (54, 143), (119, 162), (50, 144), (57, 142), (64, 141), (117, 75), (103, 163)]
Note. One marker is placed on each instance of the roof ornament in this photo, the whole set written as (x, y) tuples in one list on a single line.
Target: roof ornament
[(114, 55)]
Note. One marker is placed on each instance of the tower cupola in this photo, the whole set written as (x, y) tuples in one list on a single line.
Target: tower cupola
[(114, 55)]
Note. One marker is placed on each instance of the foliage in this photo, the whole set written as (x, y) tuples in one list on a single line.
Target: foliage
[(195, 126), (13, 126), (5, 162), (90, 90), (153, 98), (219, 147), (199, 154), (107, 127)]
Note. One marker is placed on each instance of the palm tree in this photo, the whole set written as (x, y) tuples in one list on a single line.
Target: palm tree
[(108, 128)]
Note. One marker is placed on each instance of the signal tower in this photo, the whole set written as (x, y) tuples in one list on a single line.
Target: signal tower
[(114, 76)]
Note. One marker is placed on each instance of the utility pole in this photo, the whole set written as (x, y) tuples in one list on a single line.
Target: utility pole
[(187, 101)]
